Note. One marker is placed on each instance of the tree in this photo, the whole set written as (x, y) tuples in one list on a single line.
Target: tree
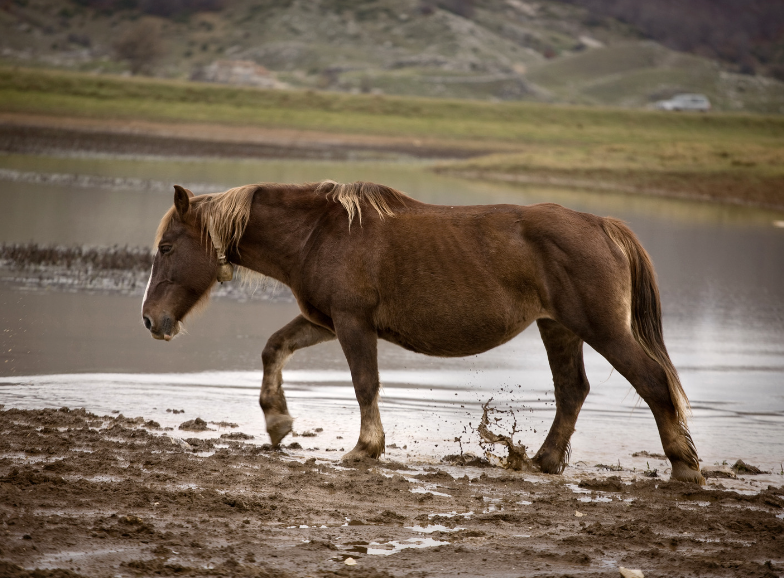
[(141, 45)]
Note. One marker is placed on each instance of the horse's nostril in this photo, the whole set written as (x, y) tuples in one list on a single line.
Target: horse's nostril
[(147, 322)]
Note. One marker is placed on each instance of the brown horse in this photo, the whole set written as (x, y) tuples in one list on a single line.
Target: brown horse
[(365, 261)]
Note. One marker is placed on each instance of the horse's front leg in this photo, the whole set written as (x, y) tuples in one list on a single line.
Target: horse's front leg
[(280, 347), (359, 341)]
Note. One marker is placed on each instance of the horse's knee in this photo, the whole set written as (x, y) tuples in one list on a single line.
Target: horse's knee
[(273, 350)]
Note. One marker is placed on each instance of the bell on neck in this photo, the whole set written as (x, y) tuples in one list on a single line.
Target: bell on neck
[(225, 271)]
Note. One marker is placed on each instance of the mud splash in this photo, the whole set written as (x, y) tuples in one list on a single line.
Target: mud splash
[(516, 459)]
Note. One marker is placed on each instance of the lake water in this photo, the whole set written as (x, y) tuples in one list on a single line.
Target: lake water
[(720, 269)]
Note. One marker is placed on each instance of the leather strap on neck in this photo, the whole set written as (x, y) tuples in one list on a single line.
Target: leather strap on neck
[(225, 269)]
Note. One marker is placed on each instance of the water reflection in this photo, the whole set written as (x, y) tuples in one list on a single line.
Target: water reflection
[(721, 271)]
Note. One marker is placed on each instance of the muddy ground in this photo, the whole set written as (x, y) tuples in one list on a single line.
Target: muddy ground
[(87, 495)]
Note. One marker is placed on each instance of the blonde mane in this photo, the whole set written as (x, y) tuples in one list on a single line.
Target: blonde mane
[(353, 195), (229, 211)]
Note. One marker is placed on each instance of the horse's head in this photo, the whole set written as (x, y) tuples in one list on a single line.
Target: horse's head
[(184, 268)]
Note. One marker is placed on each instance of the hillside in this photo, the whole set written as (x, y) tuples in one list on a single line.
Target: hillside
[(744, 35), (537, 50)]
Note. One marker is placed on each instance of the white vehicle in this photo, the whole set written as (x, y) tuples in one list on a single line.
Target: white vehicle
[(698, 102)]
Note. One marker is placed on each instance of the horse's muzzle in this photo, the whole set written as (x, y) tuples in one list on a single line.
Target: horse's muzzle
[(165, 330)]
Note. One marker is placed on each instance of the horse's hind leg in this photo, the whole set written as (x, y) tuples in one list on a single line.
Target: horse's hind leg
[(280, 347), (565, 354), (650, 381)]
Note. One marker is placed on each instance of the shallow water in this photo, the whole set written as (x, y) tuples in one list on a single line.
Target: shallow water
[(721, 272)]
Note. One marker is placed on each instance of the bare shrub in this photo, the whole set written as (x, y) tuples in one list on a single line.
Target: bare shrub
[(141, 45), (170, 8)]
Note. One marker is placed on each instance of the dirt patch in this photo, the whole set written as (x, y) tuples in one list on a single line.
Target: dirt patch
[(86, 495), (197, 424)]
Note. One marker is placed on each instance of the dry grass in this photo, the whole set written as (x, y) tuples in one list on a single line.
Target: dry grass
[(727, 170), (33, 255)]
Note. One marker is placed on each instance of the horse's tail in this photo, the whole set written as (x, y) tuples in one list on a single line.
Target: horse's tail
[(646, 310)]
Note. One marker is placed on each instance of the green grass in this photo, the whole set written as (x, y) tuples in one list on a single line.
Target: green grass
[(715, 154), (85, 95)]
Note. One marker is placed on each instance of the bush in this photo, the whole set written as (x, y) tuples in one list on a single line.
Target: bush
[(141, 45)]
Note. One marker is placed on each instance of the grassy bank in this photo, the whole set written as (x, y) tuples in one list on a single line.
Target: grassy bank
[(727, 170), (721, 156)]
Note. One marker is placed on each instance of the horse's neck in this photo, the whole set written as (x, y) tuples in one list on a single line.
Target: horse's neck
[(280, 224)]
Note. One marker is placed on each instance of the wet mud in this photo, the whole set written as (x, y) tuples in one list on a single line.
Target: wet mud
[(88, 495)]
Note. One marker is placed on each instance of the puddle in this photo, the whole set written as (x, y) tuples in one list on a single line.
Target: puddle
[(104, 478), (430, 528), (304, 526), (493, 506), (387, 548), (609, 563), (595, 499), (465, 515), (57, 559), (426, 490)]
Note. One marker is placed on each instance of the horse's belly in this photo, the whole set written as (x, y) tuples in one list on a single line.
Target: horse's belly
[(453, 330)]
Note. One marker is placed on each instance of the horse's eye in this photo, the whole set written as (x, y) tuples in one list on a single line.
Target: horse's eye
[(164, 249)]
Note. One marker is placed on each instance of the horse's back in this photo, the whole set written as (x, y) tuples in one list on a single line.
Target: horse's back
[(455, 280)]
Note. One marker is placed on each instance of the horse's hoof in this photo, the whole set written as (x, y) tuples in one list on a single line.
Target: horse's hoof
[(354, 457), (683, 473), (278, 427), (549, 463), (360, 453)]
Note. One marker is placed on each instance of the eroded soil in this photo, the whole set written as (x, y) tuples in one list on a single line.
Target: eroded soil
[(111, 496)]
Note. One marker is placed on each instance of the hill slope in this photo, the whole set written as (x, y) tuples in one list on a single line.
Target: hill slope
[(498, 49)]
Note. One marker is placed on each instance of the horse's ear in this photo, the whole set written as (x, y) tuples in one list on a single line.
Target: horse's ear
[(182, 199)]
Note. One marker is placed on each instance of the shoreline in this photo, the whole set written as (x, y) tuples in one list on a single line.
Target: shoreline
[(40, 134), (605, 186)]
